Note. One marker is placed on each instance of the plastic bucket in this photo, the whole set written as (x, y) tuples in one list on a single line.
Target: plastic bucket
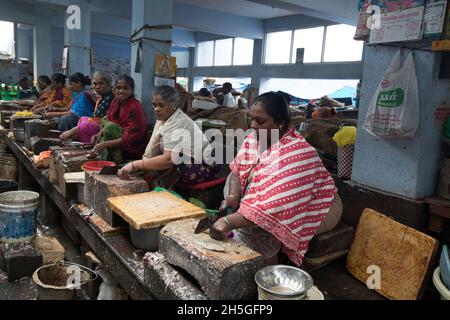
[(445, 293), (7, 185), (18, 216), (59, 281)]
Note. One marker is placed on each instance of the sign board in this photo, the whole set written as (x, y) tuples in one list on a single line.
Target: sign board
[(165, 70), (405, 25), (434, 18)]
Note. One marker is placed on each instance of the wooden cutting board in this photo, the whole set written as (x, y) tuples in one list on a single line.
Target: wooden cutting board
[(402, 254), (153, 209)]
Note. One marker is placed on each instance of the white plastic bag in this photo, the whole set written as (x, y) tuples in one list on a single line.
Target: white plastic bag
[(394, 109)]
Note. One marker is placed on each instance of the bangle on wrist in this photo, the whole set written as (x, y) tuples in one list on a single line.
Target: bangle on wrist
[(227, 221), (231, 196), (132, 165)]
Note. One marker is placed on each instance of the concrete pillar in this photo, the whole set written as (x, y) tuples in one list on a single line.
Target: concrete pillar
[(16, 44), (257, 63), (404, 167), (191, 68), (156, 13), (77, 36), (42, 47)]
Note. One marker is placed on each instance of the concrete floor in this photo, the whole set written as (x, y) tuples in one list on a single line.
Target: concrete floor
[(26, 289)]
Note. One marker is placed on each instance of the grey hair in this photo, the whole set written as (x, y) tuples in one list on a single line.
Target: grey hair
[(104, 76), (169, 95)]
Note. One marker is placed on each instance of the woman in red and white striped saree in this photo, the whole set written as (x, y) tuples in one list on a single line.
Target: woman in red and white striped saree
[(280, 193)]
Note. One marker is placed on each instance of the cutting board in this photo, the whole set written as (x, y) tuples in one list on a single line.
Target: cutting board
[(153, 209), (403, 255)]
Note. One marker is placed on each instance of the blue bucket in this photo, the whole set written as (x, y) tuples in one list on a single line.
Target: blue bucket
[(18, 216)]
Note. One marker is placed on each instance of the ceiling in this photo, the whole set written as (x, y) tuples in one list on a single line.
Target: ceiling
[(240, 7)]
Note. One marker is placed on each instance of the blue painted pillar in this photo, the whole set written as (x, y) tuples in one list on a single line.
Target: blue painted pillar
[(79, 40), (159, 14), (404, 167), (257, 63), (42, 46), (191, 67)]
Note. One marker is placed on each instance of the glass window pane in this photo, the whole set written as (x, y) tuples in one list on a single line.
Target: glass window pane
[(243, 52), (311, 40), (278, 47), (205, 54), (340, 45), (224, 50), (7, 38)]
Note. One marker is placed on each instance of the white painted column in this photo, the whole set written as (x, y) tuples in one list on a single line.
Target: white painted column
[(159, 14), (77, 36), (42, 46)]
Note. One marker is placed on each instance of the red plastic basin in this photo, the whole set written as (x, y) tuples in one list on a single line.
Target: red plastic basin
[(97, 166)]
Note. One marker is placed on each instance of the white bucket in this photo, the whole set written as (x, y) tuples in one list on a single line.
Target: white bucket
[(445, 293)]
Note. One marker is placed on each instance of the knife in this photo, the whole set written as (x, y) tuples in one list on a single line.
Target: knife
[(109, 171), (208, 222)]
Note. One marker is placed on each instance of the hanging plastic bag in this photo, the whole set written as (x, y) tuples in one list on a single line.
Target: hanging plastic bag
[(394, 110)]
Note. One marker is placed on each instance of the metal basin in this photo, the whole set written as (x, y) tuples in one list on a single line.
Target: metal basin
[(145, 239), (283, 283)]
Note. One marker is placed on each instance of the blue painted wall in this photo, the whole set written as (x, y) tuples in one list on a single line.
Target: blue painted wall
[(405, 167)]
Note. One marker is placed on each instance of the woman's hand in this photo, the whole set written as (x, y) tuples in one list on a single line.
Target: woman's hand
[(95, 139), (65, 135), (231, 202), (126, 172), (98, 149), (219, 231)]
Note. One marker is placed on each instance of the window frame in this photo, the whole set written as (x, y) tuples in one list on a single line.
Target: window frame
[(291, 55), (214, 54)]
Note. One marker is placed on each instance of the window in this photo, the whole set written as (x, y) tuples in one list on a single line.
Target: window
[(340, 46), (312, 41), (278, 47), (182, 58), (6, 39), (243, 52), (205, 54), (223, 52)]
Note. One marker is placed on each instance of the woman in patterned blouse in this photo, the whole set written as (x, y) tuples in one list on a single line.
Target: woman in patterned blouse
[(89, 127)]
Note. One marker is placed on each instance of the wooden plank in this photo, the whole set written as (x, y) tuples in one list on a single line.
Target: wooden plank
[(438, 201), (403, 255), (101, 225), (440, 211), (440, 46), (153, 209)]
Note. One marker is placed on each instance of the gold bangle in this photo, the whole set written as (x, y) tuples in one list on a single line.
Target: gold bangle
[(132, 165)]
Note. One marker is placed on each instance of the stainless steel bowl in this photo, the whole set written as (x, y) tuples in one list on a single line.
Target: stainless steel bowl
[(283, 282)]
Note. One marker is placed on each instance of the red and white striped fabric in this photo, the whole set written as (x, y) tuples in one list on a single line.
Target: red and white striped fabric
[(290, 193)]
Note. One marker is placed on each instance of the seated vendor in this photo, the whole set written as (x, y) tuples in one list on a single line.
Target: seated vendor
[(88, 127), (124, 133), (82, 104), (58, 98), (279, 191), (174, 153)]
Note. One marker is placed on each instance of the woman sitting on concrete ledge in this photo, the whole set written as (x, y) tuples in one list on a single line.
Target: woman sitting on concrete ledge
[(88, 127), (124, 133), (82, 104), (174, 134), (279, 190)]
